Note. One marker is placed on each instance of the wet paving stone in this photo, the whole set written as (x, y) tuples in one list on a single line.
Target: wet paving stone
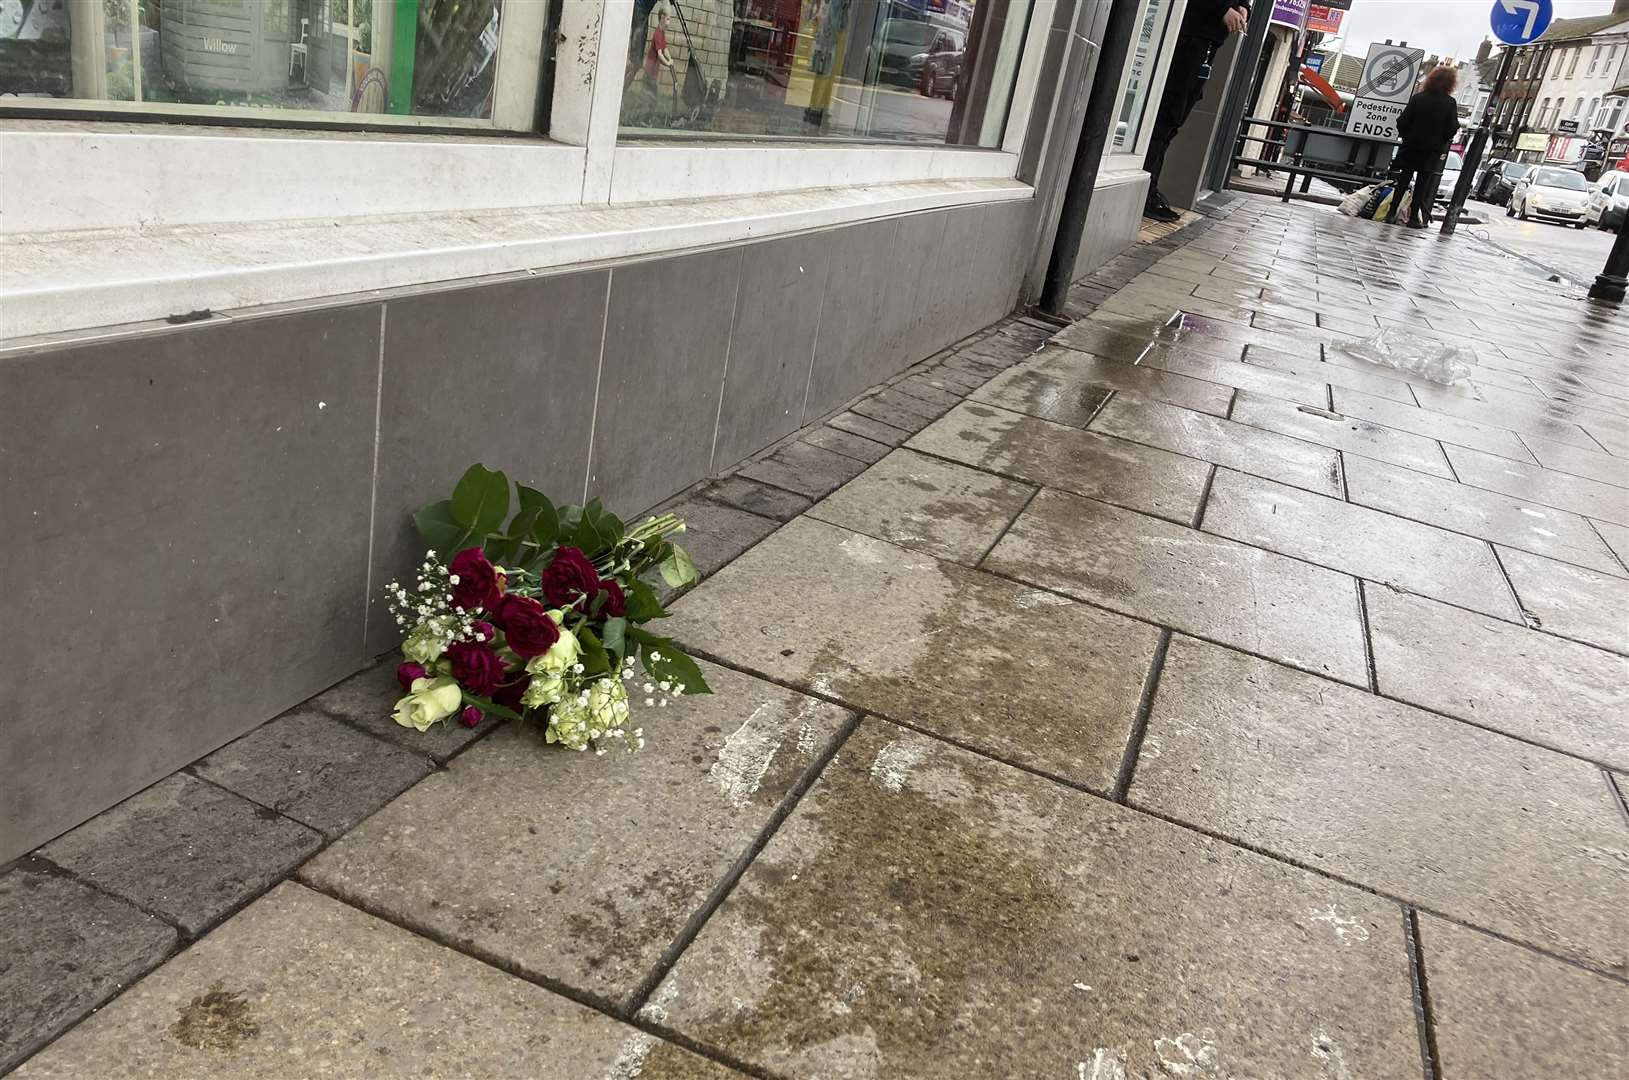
[(1018, 673), (1054, 455), (1561, 490), (1529, 684), (1501, 1010), (1570, 601), (1616, 537), (314, 769), (807, 470), (581, 868), (1222, 442), (844, 442), (715, 533), (928, 505), (1377, 792), (1358, 541), (185, 850), (1339, 432), (1301, 389), (765, 500), (1215, 588), (1431, 425), (64, 949), (928, 913), (1313, 368), (1594, 465), (368, 699), (875, 430), (1485, 514), (302, 985), (1528, 419), (1063, 401)]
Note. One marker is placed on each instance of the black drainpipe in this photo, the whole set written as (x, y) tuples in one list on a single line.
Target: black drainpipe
[(1100, 114)]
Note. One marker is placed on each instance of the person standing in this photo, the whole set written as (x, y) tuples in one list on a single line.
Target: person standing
[(1205, 25), (1426, 127)]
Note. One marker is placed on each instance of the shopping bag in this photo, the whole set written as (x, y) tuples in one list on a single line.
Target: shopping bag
[(1352, 205), (1382, 193)]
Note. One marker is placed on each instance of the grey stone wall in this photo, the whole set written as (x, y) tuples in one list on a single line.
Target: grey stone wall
[(200, 519)]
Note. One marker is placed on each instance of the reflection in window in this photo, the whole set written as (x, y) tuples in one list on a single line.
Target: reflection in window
[(1156, 17), (931, 71), (407, 57)]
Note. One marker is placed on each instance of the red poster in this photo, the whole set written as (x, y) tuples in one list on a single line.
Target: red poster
[(1324, 19)]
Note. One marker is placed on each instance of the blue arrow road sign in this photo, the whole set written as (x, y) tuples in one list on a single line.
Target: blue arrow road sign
[(1516, 22)]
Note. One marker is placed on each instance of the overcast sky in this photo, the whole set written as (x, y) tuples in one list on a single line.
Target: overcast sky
[(1445, 27)]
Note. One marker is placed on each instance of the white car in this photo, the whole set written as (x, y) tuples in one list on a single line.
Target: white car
[(1450, 176), (1608, 201), (1550, 192)]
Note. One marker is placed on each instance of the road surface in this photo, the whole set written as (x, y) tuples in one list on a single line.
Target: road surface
[(1572, 253)]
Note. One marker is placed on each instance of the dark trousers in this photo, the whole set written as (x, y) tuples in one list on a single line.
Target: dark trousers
[(1184, 87), (1423, 177)]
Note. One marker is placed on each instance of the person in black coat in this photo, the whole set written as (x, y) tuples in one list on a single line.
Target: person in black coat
[(1205, 25), (1426, 127)]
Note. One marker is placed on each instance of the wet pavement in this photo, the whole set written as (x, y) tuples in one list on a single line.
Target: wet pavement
[(1176, 697)]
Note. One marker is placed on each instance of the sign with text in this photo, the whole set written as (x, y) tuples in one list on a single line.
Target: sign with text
[(1290, 13), (1569, 126), (1532, 140), (1315, 62), (1390, 73), (1324, 19)]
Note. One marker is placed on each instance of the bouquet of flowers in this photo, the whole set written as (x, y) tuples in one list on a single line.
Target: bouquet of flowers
[(544, 617)]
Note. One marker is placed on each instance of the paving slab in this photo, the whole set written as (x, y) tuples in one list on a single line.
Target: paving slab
[(714, 533), (1616, 538), (892, 414), (1523, 682), (313, 768), (64, 949), (926, 504), (1222, 442), (1122, 342), (184, 849), (1050, 397), (1212, 587), (302, 985), (1526, 842), (1334, 375), (1302, 389), (1595, 465), (1523, 417), (1359, 541), (1351, 434), (1054, 455), (844, 442), (929, 913), (986, 662), (1571, 601), (1431, 425), (586, 868), (875, 430), (807, 470), (1501, 1010), (1561, 490), (755, 497), (1489, 515), (368, 699)]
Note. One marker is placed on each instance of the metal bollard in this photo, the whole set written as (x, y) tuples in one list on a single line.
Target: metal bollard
[(1614, 277)]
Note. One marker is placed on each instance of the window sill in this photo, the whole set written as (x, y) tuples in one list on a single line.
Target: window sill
[(74, 281)]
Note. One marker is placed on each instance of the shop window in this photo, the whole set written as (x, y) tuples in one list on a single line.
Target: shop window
[(1134, 98), (382, 61), (899, 71), (1543, 111)]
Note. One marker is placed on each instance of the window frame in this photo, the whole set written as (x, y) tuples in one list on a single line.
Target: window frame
[(1120, 161)]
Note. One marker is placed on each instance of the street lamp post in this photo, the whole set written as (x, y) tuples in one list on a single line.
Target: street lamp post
[(1473, 153), (1614, 277)]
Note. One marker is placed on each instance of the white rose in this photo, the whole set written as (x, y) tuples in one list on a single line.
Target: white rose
[(430, 701)]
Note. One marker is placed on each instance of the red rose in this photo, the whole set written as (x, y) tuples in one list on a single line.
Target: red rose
[(616, 605), (526, 625), (406, 673), (570, 580), (476, 667), (479, 582), (508, 695), (470, 716)]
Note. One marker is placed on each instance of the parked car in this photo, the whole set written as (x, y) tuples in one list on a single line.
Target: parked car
[(898, 43), (1550, 192), (937, 69), (1450, 176), (1489, 166), (1496, 184), (1608, 201)]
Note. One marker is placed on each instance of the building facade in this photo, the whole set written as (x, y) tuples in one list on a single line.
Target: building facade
[(276, 271), (1559, 101)]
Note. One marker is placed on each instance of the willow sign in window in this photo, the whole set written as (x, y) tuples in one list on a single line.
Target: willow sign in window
[(382, 58), (913, 71)]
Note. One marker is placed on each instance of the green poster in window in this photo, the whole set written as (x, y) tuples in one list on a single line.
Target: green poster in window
[(404, 40)]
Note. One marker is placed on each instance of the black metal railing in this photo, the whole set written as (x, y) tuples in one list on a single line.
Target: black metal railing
[(1308, 152)]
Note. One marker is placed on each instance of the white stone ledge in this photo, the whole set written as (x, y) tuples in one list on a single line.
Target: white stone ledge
[(57, 282)]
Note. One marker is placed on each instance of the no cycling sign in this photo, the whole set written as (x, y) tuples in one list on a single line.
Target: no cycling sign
[(1390, 73)]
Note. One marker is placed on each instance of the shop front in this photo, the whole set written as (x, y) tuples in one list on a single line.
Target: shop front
[(267, 262)]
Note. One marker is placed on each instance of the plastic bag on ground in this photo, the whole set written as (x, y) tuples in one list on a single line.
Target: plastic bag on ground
[(1434, 361), (1353, 203)]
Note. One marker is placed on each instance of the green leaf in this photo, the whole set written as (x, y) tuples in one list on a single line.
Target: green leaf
[(545, 525), (677, 569), (613, 637), (569, 518), (440, 531), (595, 661), (491, 708), (642, 603), (674, 666), (481, 499)]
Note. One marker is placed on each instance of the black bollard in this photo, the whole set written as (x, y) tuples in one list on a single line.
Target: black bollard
[(1614, 277)]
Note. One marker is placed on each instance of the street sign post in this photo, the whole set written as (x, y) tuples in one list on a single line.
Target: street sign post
[(1514, 22), (1390, 73)]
